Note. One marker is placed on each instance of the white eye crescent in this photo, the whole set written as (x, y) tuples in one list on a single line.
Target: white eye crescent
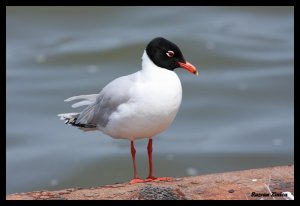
[(170, 53)]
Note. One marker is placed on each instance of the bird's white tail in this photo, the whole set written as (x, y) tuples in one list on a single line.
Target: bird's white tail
[(70, 119), (86, 100)]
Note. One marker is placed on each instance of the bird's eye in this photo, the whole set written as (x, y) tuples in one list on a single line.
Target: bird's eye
[(170, 53)]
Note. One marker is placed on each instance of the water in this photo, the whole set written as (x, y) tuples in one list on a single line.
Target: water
[(238, 114)]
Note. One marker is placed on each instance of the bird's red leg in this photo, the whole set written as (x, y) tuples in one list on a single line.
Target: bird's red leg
[(151, 177), (149, 148), (135, 179)]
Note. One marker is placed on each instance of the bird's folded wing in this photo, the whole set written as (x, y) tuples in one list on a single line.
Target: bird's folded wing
[(112, 95)]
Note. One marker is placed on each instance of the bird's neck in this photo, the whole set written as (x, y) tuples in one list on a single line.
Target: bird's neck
[(148, 66)]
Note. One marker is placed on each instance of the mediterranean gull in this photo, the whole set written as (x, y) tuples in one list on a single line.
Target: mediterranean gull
[(139, 105)]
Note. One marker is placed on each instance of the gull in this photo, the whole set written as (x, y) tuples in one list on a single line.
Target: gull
[(139, 105)]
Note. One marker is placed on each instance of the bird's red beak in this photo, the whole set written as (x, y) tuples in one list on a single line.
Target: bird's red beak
[(188, 66)]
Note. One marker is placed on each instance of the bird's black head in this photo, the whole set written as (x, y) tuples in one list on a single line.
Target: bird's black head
[(164, 53)]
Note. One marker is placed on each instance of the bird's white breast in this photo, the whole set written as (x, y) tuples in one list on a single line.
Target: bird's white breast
[(155, 99)]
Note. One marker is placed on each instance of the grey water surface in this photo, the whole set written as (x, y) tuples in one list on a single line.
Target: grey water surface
[(238, 114)]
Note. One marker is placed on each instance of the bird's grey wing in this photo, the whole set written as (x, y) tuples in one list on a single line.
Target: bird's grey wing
[(111, 96)]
